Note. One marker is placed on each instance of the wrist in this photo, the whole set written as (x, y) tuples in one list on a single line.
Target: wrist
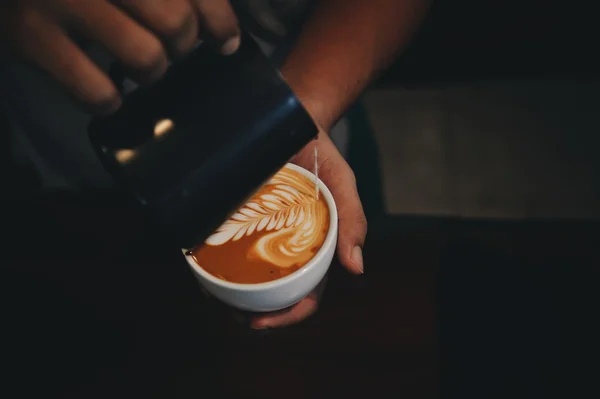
[(313, 101)]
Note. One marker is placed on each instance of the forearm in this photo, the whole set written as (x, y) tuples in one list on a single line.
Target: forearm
[(343, 47)]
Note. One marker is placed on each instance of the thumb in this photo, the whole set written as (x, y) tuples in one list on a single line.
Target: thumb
[(352, 223)]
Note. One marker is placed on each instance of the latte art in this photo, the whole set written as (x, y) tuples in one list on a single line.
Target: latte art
[(275, 233), (288, 209)]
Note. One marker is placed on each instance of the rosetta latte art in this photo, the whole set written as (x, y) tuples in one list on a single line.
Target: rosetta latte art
[(288, 216)]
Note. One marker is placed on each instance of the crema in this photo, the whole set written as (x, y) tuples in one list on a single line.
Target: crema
[(275, 233)]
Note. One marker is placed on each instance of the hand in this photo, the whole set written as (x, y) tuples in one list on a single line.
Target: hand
[(335, 172), (141, 34)]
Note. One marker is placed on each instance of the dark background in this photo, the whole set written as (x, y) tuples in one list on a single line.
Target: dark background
[(467, 40), (513, 325), (508, 320)]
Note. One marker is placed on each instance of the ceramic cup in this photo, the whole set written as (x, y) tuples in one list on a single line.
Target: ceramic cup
[(283, 292)]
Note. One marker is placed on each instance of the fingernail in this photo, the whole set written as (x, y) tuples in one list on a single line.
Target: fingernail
[(357, 258), (230, 46), (258, 326), (110, 106)]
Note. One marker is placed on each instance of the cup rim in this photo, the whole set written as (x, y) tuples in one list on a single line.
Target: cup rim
[(330, 240)]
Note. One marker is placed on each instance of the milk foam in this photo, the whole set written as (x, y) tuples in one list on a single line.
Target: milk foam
[(286, 207)]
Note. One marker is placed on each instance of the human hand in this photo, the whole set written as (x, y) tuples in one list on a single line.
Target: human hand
[(335, 172), (141, 34)]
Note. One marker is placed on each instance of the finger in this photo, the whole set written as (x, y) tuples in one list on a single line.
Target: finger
[(300, 311), (337, 175), (43, 43), (219, 25), (133, 45), (174, 21), (295, 314), (352, 223)]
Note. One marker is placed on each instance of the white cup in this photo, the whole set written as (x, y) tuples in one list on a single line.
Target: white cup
[(284, 292)]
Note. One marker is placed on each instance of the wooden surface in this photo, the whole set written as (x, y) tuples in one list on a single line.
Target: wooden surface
[(126, 318), (97, 308), (373, 335)]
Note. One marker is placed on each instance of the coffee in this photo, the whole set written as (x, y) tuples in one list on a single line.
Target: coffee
[(275, 233)]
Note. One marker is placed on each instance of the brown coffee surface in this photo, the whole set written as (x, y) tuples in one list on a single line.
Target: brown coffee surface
[(275, 233)]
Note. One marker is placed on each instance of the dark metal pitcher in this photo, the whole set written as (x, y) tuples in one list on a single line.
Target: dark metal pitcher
[(194, 146)]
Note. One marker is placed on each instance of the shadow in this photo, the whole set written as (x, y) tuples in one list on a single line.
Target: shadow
[(14, 175), (96, 305)]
